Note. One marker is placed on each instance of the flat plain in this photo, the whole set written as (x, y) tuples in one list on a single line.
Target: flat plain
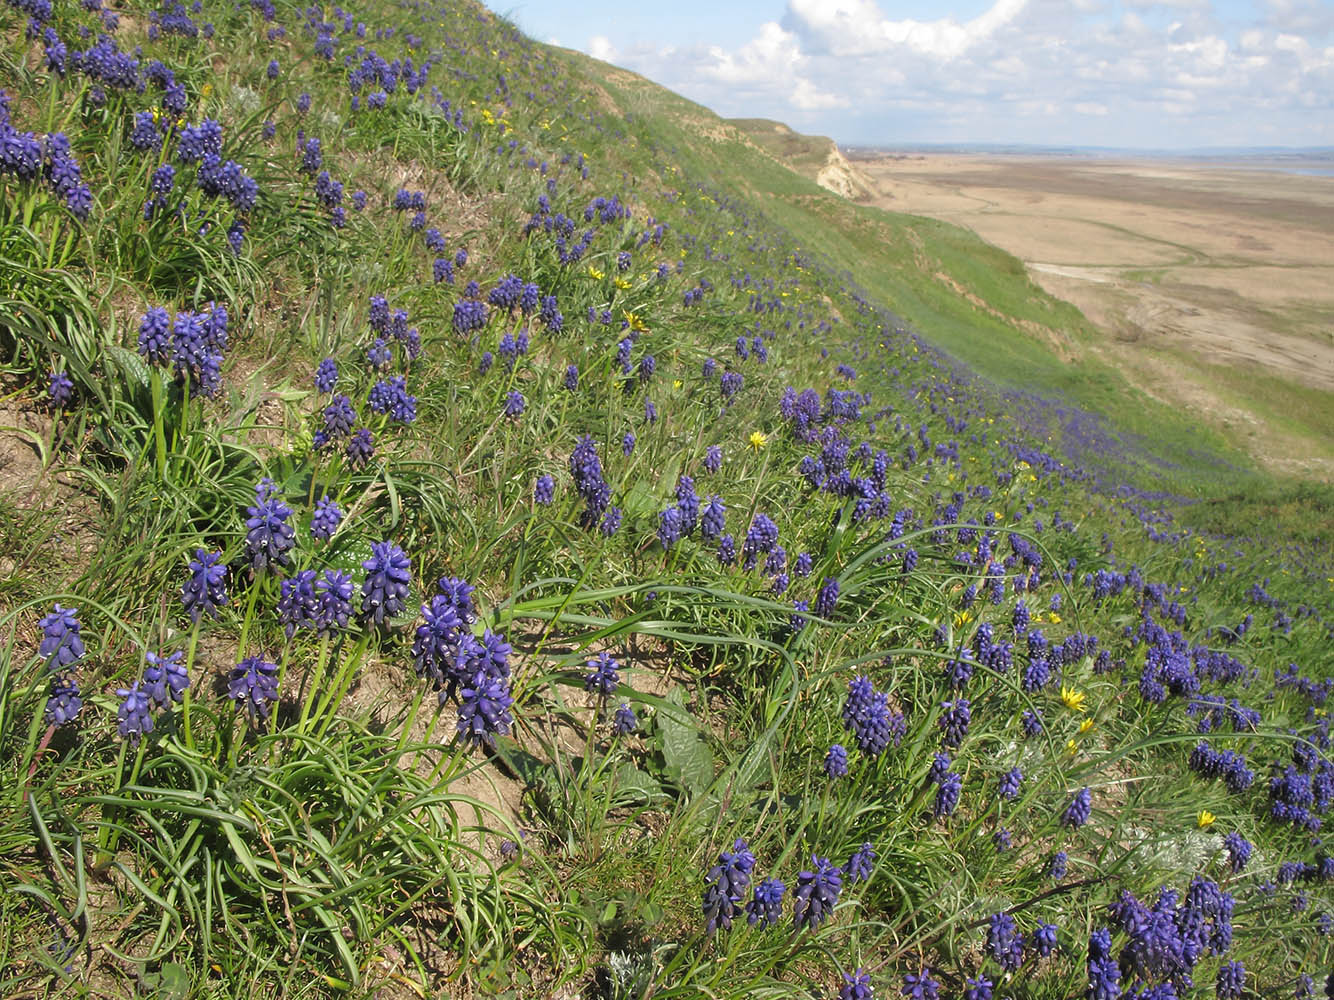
[(1211, 283)]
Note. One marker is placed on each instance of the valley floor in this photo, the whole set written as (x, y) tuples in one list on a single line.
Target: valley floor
[(1212, 282)]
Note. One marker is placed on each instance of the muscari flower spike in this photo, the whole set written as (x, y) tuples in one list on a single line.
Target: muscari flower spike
[(765, 908), (134, 717), (165, 678), (326, 519), (856, 986), (61, 644), (269, 535), (333, 595), (253, 685), (602, 677), (484, 709), (624, 721), (861, 864), (64, 702), (205, 591), (726, 884), (388, 577), (836, 762), (817, 893)]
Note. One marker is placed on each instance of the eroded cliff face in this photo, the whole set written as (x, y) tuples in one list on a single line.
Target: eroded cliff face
[(842, 178)]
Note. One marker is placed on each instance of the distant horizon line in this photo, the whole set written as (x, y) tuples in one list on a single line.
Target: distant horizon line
[(1303, 152)]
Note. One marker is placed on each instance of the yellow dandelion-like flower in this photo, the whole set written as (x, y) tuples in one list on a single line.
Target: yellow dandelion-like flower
[(962, 618), (594, 273), (1071, 747), (1206, 818), (1073, 700), (758, 440), (205, 90), (677, 383), (621, 283), (1054, 618), (1086, 726)]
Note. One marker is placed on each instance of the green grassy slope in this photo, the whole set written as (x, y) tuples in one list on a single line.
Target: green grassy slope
[(968, 297), (447, 565)]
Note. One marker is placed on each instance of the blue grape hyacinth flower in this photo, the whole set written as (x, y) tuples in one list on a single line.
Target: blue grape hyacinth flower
[(484, 709), (206, 590), (64, 702), (165, 678), (765, 908), (625, 721), (134, 718), (253, 685), (817, 893), (388, 578), (603, 677), (270, 536), (61, 644), (326, 519)]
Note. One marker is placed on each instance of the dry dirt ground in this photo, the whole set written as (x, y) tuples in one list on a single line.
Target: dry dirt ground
[(1172, 259)]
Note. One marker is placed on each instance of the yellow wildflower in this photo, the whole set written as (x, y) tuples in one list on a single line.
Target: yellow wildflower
[(1072, 747), (1085, 726), (758, 439), (1206, 818), (677, 383), (1074, 700), (594, 273)]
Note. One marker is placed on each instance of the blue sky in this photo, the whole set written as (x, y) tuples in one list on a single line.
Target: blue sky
[(1125, 73)]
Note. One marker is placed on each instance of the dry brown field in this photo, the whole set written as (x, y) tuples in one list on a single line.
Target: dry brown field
[(1212, 284)]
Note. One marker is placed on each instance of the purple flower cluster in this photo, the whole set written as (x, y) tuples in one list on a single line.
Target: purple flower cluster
[(194, 343), (726, 885)]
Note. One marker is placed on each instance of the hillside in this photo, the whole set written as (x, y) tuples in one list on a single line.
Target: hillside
[(478, 524), (815, 157)]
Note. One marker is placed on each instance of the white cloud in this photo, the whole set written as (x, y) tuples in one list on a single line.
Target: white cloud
[(600, 47), (769, 56), (1132, 72), (857, 27)]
